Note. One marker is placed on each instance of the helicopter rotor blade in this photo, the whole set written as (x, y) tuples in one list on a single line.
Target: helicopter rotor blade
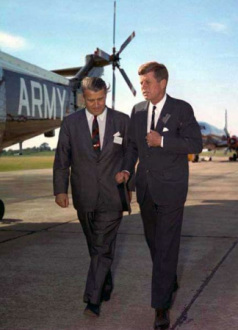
[(126, 42), (102, 58), (127, 81), (114, 25), (113, 88)]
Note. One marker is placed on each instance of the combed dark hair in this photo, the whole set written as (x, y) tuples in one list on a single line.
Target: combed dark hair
[(94, 84), (160, 70)]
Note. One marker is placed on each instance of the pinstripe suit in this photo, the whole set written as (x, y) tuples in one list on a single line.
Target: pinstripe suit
[(162, 185), (94, 190)]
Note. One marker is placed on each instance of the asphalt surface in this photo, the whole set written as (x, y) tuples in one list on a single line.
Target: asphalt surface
[(44, 258)]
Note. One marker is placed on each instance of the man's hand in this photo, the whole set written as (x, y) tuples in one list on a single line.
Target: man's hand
[(122, 176), (62, 200), (153, 139)]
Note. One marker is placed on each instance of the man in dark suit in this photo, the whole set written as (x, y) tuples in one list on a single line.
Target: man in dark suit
[(162, 132), (90, 150)]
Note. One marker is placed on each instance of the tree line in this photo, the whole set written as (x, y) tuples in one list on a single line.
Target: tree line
[(44, 147)]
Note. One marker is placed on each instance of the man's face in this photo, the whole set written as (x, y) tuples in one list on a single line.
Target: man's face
[(152, 90), (95, 102)]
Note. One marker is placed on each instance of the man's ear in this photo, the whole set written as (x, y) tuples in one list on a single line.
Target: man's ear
[(80, 100), (163, 83)]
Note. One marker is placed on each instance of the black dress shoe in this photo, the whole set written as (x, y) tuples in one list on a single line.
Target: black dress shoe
[(92, 310), (161, 319)]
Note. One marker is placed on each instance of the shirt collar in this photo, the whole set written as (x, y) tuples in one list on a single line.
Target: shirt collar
[(100, 117), (160, 104)]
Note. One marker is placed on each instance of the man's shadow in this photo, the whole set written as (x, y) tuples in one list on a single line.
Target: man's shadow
[(209, 219)]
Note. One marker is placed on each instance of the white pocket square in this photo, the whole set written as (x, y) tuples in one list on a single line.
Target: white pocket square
[(117, 139), (165, 129)]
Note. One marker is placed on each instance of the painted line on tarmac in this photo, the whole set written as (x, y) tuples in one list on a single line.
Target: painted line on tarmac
[(31, 232), (184, 315)]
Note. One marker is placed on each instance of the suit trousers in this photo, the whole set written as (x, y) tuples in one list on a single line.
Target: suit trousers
[(162, 227), (100, 229)]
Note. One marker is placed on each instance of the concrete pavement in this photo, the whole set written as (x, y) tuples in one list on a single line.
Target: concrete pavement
[(44, 259)]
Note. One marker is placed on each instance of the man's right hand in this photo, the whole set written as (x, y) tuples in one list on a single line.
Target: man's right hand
[(62, 200), (122, 176)]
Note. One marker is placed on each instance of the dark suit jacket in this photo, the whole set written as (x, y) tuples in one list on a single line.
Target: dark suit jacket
[(164, 170), (90, 175)]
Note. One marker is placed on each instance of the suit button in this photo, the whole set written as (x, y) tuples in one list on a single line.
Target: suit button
[(147, 156), (147, 171)]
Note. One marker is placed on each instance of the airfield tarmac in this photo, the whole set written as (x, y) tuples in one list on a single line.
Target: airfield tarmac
[(44, 258)]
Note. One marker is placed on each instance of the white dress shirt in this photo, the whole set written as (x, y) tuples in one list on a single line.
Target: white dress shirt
[(101, 123), (158, 109)]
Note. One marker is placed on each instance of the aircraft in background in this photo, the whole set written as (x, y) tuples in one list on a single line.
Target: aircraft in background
[(214, 138)]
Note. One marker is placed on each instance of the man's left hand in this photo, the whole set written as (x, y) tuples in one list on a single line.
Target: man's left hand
[(153, 139), (122, 176)]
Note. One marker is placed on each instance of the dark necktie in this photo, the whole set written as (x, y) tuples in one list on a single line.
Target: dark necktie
[(95, 135), (152, 126)]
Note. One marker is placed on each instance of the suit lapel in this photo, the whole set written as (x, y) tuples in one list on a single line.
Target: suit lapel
[(142, 115), (165, 115), (144, 119), (109, 130), (85, 138)]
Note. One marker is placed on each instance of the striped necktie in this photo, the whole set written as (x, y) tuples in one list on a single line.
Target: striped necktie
[(95, 135), (152, 126)]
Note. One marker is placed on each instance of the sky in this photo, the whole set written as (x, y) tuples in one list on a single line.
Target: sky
[(195, 39)]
